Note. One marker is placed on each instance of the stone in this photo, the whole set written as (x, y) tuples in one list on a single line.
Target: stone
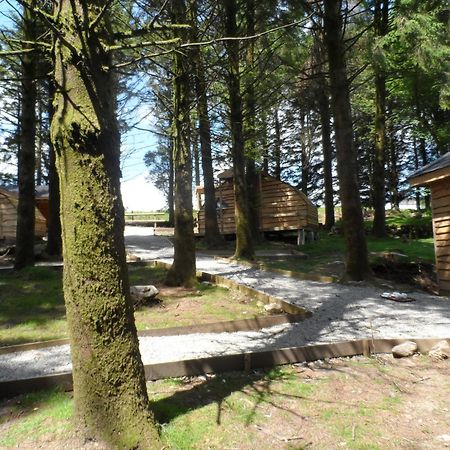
[(132, 258), (141, 295), (404, 350), (445, 438), (440, 351), (273, 308)]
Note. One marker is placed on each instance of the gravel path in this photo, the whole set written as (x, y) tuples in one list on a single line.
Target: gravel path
[(340, 312)]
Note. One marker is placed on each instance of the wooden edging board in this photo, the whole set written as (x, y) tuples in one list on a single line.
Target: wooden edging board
[(237, 362), (230, 326), (266, 298), (287, 273), (294, 314)]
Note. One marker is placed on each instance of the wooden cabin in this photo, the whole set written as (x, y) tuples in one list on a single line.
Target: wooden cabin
[(436, 176), (42, 202), (8, 217), (282, 207)]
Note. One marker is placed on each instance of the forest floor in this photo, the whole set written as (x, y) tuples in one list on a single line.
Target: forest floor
[(343, 403)]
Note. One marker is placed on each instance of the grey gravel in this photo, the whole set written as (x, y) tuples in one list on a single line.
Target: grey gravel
[(340, 312)]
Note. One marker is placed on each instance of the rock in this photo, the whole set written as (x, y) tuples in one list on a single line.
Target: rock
[(408, 348), (141, 295), (273, 308), (132, 258), (440, 351), (445, 438)]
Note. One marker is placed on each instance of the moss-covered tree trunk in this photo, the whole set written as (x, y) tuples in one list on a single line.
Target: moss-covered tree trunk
[(357, 265), (24, 255), (244, 243), (182, 272), (111, 402), (212, 233)]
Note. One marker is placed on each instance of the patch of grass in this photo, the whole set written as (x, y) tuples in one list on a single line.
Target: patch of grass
[(146, 274), (43, 413), (285, 407), (331, 248), (32, 305)]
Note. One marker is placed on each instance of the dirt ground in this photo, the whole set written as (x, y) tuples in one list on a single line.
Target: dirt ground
[(354, 403)]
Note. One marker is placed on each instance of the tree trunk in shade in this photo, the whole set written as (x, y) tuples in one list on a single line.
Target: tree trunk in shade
[(327, 150), (182, 271), (379, 176), (212, 233), (24, 255), (244, 244), (357, 264)]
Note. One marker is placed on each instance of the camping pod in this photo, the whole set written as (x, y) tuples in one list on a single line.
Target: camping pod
[(281, 207), (436, 176), (8, 217)]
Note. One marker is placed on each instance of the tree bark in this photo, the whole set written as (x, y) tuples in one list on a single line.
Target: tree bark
[(304, 155), (379, 176), (110, 395), (182, 272), (54, 244), (170, 196), (393, 169), (357, 265), (251, 150), (244, 244), (277, 152), (327, 151), (24, 255), (212, 233)]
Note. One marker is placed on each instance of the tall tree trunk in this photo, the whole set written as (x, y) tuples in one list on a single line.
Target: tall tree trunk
[(424, 157), (170, 195), (379, 177), (196, 153), (277, 145), (212, 233), (251, 150), (24, 255), (182, 272), (39, 141), (110, 393), (244, 244), (357, 265), (54, 244), (327, 151), (416, 167), (393, 169), (264, 142), (304, 155)]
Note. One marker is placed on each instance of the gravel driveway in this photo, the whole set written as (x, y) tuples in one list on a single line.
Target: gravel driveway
[(340, 312)]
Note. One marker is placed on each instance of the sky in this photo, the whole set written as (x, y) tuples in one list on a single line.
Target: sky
[(139, 194)]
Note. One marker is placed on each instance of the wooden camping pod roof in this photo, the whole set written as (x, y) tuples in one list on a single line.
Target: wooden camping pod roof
[(228, 175), (434, 171)]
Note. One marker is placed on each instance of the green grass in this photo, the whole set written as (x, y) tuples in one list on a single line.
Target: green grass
[(338, 406), (32, 305), (40, 413), (331, 248), (147, 215)]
